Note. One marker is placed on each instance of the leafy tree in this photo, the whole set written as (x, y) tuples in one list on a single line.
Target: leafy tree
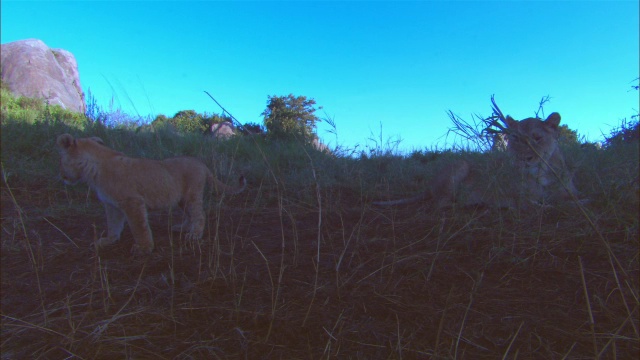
[(161, 121), (253, 128), (183, 121), (216, 119), (189, 121), (291, 117), (568, 136)]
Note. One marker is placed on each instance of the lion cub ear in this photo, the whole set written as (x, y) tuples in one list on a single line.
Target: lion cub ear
[(65, 141)]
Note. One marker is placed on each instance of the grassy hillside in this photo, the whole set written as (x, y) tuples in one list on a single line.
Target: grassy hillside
[(301, 265)]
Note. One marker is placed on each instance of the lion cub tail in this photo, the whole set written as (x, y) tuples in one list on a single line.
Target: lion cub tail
[(442, 188), (426, 195), (221, 187)]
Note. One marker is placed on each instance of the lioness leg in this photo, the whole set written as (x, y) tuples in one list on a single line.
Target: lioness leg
[(136, 213), (115, 224)]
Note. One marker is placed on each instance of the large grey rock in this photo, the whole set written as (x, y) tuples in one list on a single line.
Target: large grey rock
[(30, 68), (223, 130)]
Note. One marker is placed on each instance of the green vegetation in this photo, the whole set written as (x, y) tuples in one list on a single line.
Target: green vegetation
[(188, 121), (30, 111), (291, 117), (301, 265)]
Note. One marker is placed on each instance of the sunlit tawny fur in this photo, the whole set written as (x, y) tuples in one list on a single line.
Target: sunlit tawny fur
[(542, 175), (128, 187)]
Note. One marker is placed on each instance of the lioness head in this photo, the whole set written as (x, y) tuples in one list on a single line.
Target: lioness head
[(533, 141), (75, 160)]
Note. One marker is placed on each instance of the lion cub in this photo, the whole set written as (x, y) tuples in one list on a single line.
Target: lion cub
[(533, 172), (128, 187)]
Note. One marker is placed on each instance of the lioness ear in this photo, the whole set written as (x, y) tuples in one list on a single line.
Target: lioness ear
[(553, 120), (65, 141), (511, 122)]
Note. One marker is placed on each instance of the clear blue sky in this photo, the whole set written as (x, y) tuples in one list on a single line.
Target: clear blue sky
[(396, 65)]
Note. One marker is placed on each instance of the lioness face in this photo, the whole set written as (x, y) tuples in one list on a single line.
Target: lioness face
[(533, 141)]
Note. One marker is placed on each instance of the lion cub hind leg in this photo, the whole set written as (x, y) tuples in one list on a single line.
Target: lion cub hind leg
[(196, 227), (193, 222), (195, 215), (183, 226), (136, 212), (115, 224)]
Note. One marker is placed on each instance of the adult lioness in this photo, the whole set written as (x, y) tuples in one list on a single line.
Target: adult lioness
[(532, 145), (128, 187)]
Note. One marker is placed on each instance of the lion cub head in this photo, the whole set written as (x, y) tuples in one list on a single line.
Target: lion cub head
[(76, 162)]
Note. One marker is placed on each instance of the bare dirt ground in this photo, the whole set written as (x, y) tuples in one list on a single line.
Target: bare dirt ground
[(341, 280)]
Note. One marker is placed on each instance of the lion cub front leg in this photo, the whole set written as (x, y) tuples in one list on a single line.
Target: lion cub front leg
[(115, 224), (136, 212)]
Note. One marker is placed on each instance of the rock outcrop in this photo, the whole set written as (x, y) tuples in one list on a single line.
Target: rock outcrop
[(223, 130), (31, 69)]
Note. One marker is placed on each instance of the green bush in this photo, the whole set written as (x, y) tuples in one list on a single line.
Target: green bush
[(290, 117), (188, 121)]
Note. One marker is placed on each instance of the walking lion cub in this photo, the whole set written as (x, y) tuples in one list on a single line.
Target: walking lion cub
[(533, 172), (128, 187)]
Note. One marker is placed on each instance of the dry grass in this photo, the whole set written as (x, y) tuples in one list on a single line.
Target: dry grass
[(301, 266)]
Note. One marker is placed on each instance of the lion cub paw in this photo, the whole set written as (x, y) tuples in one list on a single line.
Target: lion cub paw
[(179, 228), (141, 250), (191, 234), (105, 241), (194, 236)]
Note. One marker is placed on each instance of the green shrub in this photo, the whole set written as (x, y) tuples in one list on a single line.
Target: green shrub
[(290, 117)]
